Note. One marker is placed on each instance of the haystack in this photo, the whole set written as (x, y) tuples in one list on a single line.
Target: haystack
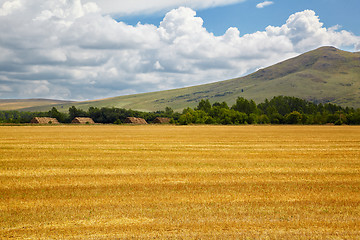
[(134, 120), (83, 120), (161, 120), (44, 120)]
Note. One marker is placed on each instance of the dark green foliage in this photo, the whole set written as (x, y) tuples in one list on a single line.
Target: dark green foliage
[(204, 105), (25, 117), (61, 117), (118, 122), (118, 115), (279, 110), (221, 105), (354, 117), (285, 105), (294, 118), (169, 111), (263, 119), (245, 106), (74, 112)]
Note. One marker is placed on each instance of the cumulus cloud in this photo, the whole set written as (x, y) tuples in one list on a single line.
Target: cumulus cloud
[(9, 6), (264, 4), (123, 8), (71, 50)]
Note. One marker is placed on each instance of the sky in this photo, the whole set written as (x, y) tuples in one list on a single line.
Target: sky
[(85, 49)]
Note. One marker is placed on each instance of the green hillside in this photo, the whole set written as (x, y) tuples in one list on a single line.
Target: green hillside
[(15, 104), (323, 75)]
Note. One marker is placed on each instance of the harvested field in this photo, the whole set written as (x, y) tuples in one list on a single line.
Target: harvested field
[(193, 182)]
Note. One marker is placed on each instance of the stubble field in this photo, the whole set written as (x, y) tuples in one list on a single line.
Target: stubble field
[(193, 182)]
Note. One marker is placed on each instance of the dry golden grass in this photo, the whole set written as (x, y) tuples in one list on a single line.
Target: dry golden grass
[(194, 182)]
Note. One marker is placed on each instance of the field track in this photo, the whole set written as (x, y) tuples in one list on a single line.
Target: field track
[(179, 182)]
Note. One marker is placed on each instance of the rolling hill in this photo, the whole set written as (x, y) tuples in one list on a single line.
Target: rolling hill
[(323, 75), (16, 104)]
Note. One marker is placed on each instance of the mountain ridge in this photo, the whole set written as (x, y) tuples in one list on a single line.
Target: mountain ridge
[(324, 75)]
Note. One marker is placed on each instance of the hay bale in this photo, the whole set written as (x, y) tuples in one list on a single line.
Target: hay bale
[(44, 120), (161, 120), (134, 120), (83, 120)]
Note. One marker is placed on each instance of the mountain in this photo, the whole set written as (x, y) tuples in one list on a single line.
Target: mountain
[(323, 75), (16, 104)]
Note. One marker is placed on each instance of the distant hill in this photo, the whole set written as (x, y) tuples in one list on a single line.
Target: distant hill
[(325, 75), (16, 104)]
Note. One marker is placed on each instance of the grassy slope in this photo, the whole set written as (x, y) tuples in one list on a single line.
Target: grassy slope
[(323, 75), (15, 104)]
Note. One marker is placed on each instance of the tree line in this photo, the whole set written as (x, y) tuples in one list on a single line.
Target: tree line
[(99, 115), (278, 110)]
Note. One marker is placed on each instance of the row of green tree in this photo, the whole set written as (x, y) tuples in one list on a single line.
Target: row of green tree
[(279, 110), (99, 115)]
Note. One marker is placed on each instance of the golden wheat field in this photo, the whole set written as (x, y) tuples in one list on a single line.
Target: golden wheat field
[(179, 182)]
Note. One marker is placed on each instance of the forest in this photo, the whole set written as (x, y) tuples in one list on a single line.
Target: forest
[(278, 110)]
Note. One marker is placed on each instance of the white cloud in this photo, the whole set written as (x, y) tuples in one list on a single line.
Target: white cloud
[(5, 88), (9, 6), (158, 66), (69, 50), (264, 4), (122, 8)]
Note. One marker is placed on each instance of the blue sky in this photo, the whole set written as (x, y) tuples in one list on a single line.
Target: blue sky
[(248, 19), (85, 49)]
